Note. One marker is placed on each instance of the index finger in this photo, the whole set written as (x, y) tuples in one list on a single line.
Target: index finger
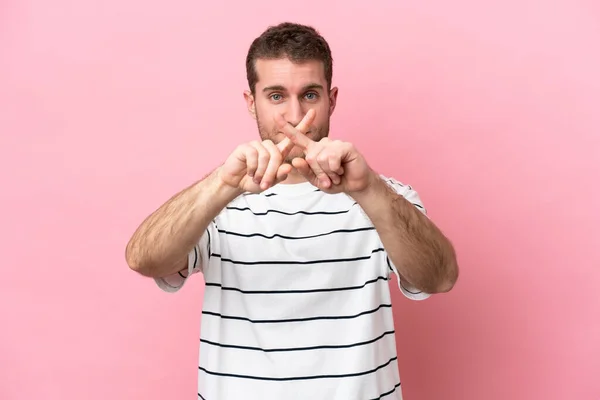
[(295, 135), (308, 119), (285, 146)]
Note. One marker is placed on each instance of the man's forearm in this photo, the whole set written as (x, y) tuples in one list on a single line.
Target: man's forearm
[(160, 245), (422, 254)]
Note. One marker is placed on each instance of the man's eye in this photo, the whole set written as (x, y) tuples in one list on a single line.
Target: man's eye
[(311, 96), (276, 97)]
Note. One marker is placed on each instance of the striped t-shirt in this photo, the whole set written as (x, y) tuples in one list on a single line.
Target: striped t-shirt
[(297, 304)]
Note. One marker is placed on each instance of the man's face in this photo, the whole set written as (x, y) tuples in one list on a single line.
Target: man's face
[(291, 89)]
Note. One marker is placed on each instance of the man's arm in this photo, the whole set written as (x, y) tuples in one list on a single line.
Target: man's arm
[(424, 257), (161, 244)]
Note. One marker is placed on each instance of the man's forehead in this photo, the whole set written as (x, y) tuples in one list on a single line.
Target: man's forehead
[(289, 75)]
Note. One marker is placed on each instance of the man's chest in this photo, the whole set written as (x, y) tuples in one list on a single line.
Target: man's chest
[(274, 246)]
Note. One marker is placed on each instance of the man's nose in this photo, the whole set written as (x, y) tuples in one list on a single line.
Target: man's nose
[(295, 112)]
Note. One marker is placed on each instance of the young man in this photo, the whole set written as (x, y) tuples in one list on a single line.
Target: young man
[(296, 237)]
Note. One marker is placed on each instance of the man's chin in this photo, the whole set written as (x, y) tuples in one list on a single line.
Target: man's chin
[(294, 154)]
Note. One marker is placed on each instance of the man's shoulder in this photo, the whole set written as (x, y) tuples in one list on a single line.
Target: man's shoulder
[(405, 190), (393, 181)]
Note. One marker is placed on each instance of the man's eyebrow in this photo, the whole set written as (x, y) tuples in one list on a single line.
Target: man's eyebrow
[(283, 89), (274, 87), (312, 86)]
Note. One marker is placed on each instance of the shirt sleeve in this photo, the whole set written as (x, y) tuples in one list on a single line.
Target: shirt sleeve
[(198, 259), (412, 196)]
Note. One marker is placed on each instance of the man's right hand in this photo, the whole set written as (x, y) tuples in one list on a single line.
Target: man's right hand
[(256, 166)]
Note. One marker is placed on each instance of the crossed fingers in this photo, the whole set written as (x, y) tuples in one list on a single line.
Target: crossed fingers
[(322, 164)]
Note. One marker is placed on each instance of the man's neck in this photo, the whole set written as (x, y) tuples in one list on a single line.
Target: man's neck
[(294, 177)]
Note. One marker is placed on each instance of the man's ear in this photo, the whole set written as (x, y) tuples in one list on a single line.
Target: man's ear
[(332, 99), (250, 103)]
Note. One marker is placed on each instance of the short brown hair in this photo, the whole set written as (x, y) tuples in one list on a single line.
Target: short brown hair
[(295, 41)]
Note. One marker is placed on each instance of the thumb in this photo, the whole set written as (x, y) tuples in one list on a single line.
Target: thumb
[(282, 172), (302, 166), (313, 172)]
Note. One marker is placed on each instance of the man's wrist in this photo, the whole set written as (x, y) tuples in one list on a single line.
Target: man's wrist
[(219, 192), (223, 189), (372, 187)]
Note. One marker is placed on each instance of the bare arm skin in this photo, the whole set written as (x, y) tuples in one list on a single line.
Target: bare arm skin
[(423, 256), (160, 245)]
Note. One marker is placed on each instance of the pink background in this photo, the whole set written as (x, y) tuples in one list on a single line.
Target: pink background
[(490, 109)]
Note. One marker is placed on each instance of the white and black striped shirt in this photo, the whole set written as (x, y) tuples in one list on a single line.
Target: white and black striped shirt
[(297, 303)]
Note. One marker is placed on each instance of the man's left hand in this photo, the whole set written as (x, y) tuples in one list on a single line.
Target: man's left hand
[(333, 166)]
